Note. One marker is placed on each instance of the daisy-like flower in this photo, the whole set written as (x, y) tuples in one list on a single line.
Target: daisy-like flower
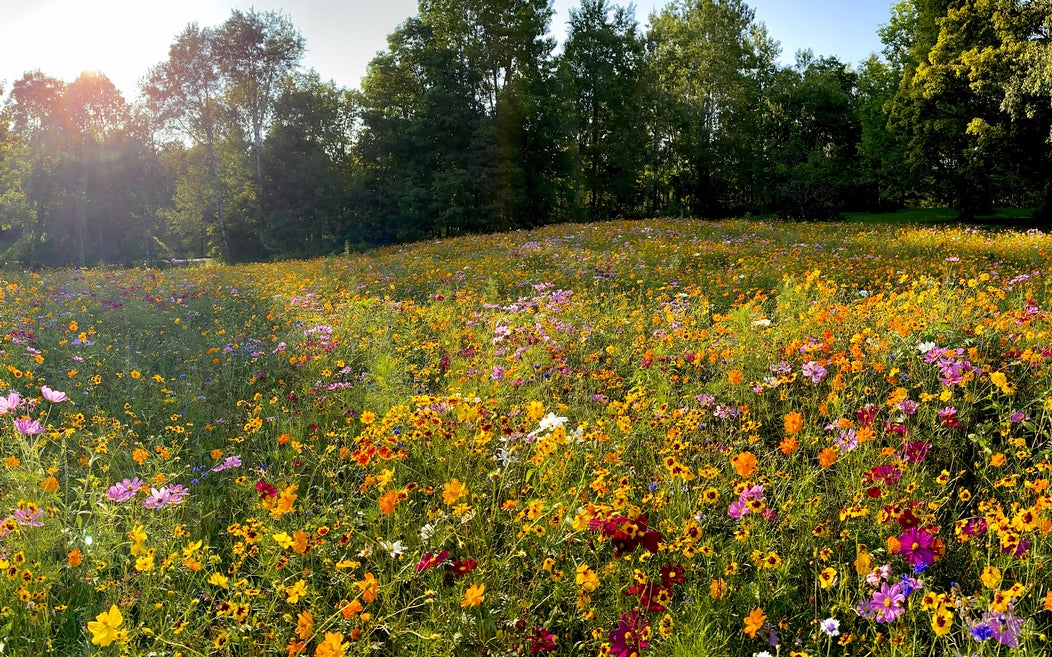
[(887, 603), (830, 627), (53, 396), (124, 490), (9, 403)]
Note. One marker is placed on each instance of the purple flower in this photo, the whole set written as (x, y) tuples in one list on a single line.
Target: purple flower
[(886, 603), (228, 463), (165, 496), (814, 371), (28, 427), (29, 516), (125, 490)]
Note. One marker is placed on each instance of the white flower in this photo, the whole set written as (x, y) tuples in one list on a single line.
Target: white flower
[(762, 322), (548, 423), (395, 550), (830, 626), (925, 347), (426, 532)]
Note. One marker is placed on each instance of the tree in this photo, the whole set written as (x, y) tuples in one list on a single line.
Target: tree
[(603, 62), (307, 165), (185, 95), (709, 61), (256, 52), (817, 132)]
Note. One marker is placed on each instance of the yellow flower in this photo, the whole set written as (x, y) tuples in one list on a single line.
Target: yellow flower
[(452, 491), (220, 580), (104, 628), (586, 578), (296, 591), (283, 539), (991, 577), (827, 578), (942, 621), (474, 595)]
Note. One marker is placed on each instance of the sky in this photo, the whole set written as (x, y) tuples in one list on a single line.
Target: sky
[(124, 38)]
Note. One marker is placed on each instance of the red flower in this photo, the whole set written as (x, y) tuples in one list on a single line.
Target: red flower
[(431, 560), (266, 490)]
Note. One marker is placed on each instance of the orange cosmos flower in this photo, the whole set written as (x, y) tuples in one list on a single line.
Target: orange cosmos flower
[(745, 464), (794, 423), (827, 457), (754, 621), (332, 646), (474, 595), (388, 501)]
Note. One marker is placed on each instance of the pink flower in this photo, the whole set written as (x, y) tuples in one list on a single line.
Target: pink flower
[(53, 396), (125, 490), (28, 427), (9, 403)]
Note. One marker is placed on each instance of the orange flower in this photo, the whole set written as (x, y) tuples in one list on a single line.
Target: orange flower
[(794, 422), (997, 460), (745, 464), (332, 646), (788, 445), (304, 625), (50, 485), (349, 609), (735, 377), (370, 587), (754, 621), (74, 557), (299, 541), (717, 588), (827, 457), (452, 491), (474, 595), (1048, 600), (388, 501)]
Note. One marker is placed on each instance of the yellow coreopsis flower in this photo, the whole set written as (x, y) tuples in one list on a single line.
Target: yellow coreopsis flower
[(452, 491), (104, 628)]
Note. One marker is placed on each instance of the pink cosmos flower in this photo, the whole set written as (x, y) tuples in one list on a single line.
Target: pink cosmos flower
[(125, 490), (53, 396), (9, 403), (28, 427)]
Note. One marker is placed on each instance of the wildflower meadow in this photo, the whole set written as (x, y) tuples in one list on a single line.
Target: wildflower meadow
[(633, 438)]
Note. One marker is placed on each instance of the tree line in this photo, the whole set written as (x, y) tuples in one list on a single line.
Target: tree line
[(474, 119)]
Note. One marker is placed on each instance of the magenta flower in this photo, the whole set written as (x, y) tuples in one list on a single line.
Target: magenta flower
[(886, 603), (166, 496), (917, 546), (28, 427), (228, 463), (29, 516), (541, 641), (53, 396), (814, 371), (631, 635), (431, 559)]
